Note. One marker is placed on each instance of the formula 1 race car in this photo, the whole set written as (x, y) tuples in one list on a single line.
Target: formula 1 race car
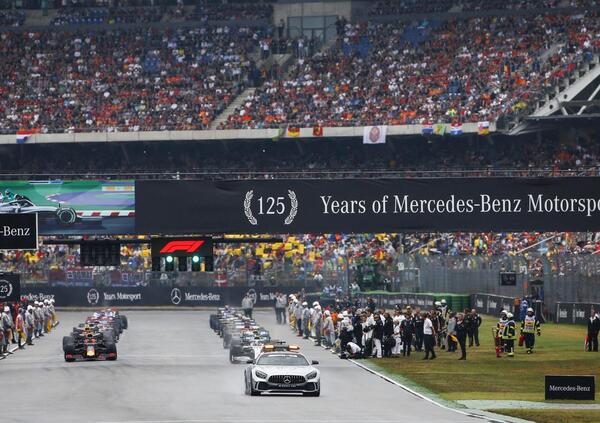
[(64, 216), (89, 343), (282, 369), (109, 318), (249, 345)]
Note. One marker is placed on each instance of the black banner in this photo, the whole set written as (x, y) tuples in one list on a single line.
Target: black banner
[(10, 287), (359, 205), (150, 296), (571, 387), (577, 313), (18, 231), (493, 304)]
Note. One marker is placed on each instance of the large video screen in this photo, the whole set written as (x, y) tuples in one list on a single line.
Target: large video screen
[(73, 207)]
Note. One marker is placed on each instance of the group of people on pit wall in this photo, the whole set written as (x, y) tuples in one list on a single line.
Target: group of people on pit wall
[(22, 321), (359, 332)]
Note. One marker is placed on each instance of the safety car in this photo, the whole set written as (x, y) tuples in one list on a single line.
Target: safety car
[(282, 369)]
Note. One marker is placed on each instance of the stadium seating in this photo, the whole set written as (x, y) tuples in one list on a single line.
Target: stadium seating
[(429, 72), (122, 80), (12, 17), (98, 16)]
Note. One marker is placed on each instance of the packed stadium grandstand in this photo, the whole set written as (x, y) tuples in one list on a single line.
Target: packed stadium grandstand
[(377, 172)]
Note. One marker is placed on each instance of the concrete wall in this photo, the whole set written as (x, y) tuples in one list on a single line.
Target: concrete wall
[(232, 134)]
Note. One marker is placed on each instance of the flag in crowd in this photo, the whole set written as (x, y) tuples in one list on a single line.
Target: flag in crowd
[(427, 129), (293, 131), (456, 129), (280, 133), (374, 134), (23, 135), (483, 128), (439, 129)]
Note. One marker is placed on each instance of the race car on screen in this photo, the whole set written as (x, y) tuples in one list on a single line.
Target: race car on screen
[(249, 345), (89, 343), (19, 204), (282, 369)]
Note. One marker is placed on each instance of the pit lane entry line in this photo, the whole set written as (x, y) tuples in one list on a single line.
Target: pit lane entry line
[(421, 396)]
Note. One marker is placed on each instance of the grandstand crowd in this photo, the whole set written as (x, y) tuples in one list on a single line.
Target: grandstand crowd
[(170, 77), (313, 259)]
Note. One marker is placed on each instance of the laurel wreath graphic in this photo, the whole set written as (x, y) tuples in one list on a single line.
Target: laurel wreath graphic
[(248, 210), (294, 210)]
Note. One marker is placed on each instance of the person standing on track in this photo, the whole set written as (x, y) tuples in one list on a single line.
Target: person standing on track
[(39, 319), (461, 335), (473, 327), (498, 331), (30, 324), (305, 320), (298, 314), (280, 303), (247, 305), (407, 329), (508, 335), (20, 327), (592, 332), (5, 327), (428, 337), (388, 335), (418, 322), (377, 336), (530, 326)]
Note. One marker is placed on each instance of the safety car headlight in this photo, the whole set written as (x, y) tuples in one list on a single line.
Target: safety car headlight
[(260, 374), (311, 375)]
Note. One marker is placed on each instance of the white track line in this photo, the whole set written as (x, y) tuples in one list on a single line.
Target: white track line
[(220, 420), (423, 397)]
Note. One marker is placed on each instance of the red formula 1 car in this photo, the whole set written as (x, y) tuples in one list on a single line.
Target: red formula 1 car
[(89, 343)]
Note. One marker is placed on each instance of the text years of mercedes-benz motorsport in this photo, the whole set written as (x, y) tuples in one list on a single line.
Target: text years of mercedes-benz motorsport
[(484, 203)]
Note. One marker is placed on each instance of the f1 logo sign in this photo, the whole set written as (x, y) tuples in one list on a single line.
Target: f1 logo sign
[(181, 246)]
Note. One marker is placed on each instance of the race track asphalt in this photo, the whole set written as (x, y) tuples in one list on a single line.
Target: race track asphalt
[(173, 369)]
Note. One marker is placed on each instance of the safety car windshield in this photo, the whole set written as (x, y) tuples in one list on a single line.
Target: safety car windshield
[(282, 360)]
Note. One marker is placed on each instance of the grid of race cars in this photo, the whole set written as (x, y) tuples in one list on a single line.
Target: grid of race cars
[(96, 338), (276, 367)]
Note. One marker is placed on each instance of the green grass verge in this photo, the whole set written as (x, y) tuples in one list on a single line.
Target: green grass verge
[(553, 416), (482, 376)]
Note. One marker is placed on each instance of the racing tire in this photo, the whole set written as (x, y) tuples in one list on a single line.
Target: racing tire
[(68, 344), (231, 357), (108, 338), (124, 322), (111, 348), (313, 394), (66, 216)]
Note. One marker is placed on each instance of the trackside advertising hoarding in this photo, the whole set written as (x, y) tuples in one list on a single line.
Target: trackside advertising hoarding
[(366, 205)]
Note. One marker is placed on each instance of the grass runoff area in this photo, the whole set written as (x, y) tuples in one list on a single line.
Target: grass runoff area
[(553, 416), (558, 351)]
